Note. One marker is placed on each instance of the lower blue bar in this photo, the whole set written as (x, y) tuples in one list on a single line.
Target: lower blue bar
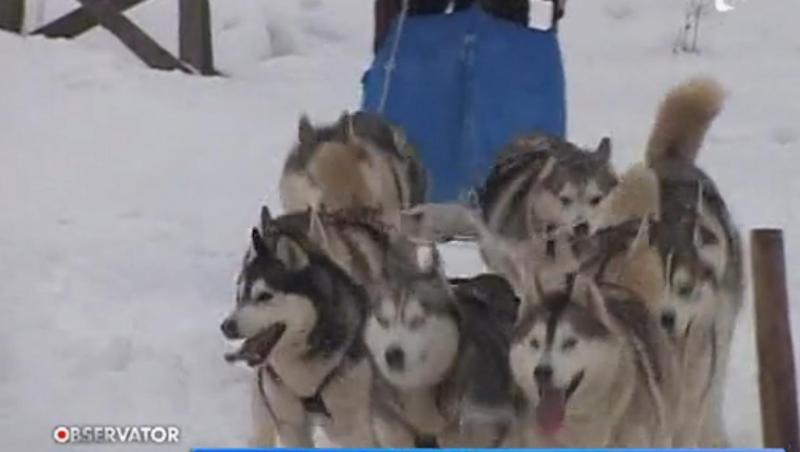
[(492, 450)]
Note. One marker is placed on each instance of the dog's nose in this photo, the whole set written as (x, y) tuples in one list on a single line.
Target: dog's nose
[(395, 358), (230, 329), (668, 320), (543, 373), (581, 229)]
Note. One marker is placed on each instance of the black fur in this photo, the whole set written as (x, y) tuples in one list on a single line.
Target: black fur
[(341, 304), (487, 306)]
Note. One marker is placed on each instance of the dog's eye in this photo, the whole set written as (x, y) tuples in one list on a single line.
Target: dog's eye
[(382, 321), (569, 344), (565, 201), (685, 291), (535, 344), (416, 323), (595, 200), (264, 296)]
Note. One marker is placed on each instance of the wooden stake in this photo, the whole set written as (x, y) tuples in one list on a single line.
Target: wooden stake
[(12, 15), (80, 21), (195, 35), (136, 40), (776, 368)]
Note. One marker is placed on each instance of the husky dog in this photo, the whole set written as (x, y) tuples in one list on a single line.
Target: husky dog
[(541, 184), (702, 256), (431, 351), (359, 161), (687, 250), (542, 192), (302, 319), (593, 369)]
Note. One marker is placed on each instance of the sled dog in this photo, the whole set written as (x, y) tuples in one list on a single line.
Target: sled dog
[(593, 369), (689, 247), (359, 161), (440, 350), (301, 317), (542, 192)]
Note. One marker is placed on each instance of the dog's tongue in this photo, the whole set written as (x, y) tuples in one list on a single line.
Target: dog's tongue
[(550, 411)]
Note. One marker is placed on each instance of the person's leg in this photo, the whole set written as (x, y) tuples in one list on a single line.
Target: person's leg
[(465, 85), (425, 94), (518, 88)]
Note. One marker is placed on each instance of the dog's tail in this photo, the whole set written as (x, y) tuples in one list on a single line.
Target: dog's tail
[(683, 118)]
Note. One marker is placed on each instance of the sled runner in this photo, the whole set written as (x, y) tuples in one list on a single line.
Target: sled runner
[(465, 79)]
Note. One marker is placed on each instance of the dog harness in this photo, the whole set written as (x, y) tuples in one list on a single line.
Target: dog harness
[(314, 404)]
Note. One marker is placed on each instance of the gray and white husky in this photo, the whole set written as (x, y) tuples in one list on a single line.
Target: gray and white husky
[(542, 184), (359, 161), (302, 318), (431, 344), (542, 192), (593, 370), (688, 257)]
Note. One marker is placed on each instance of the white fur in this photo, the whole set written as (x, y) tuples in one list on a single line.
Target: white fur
[(595, 358), (573, 205), (298, 193), (430, 349)]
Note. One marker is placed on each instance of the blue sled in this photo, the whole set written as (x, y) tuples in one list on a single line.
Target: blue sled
[(465, 85)]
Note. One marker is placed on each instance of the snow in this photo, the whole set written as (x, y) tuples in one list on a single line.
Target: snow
[(126, 194)]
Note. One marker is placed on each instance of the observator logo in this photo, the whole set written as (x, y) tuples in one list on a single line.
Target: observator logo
[(116, 434)]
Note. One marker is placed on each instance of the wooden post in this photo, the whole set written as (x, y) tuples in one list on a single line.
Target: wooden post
[(132, 36), (776, 368), (79, 21), (12, 15), (196, 47)]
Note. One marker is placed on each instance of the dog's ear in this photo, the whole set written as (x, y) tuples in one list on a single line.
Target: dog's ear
[(547, 169), (586, 293), (291, 254), (644, 237), (604, 150), (258, 243), (306, 133), (266, 219), (400, 139), (316, 228), (344, 127)]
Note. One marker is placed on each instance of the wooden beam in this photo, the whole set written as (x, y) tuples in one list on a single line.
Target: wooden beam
[(196, 47), (12, 15), (132, 36), (80, 21), (776, 369)]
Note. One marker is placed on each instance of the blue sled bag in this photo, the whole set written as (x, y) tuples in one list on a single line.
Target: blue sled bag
[(463, 85)]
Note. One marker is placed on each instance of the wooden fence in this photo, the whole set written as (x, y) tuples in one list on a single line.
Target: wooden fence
[(196, 51)]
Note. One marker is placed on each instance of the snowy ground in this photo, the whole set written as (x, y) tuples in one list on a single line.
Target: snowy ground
[(126, 194)]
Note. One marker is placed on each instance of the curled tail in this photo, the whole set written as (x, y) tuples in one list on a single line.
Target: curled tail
[(683, 118)]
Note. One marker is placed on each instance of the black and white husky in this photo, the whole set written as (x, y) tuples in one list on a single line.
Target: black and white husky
[(302, 317), (440, 349)]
